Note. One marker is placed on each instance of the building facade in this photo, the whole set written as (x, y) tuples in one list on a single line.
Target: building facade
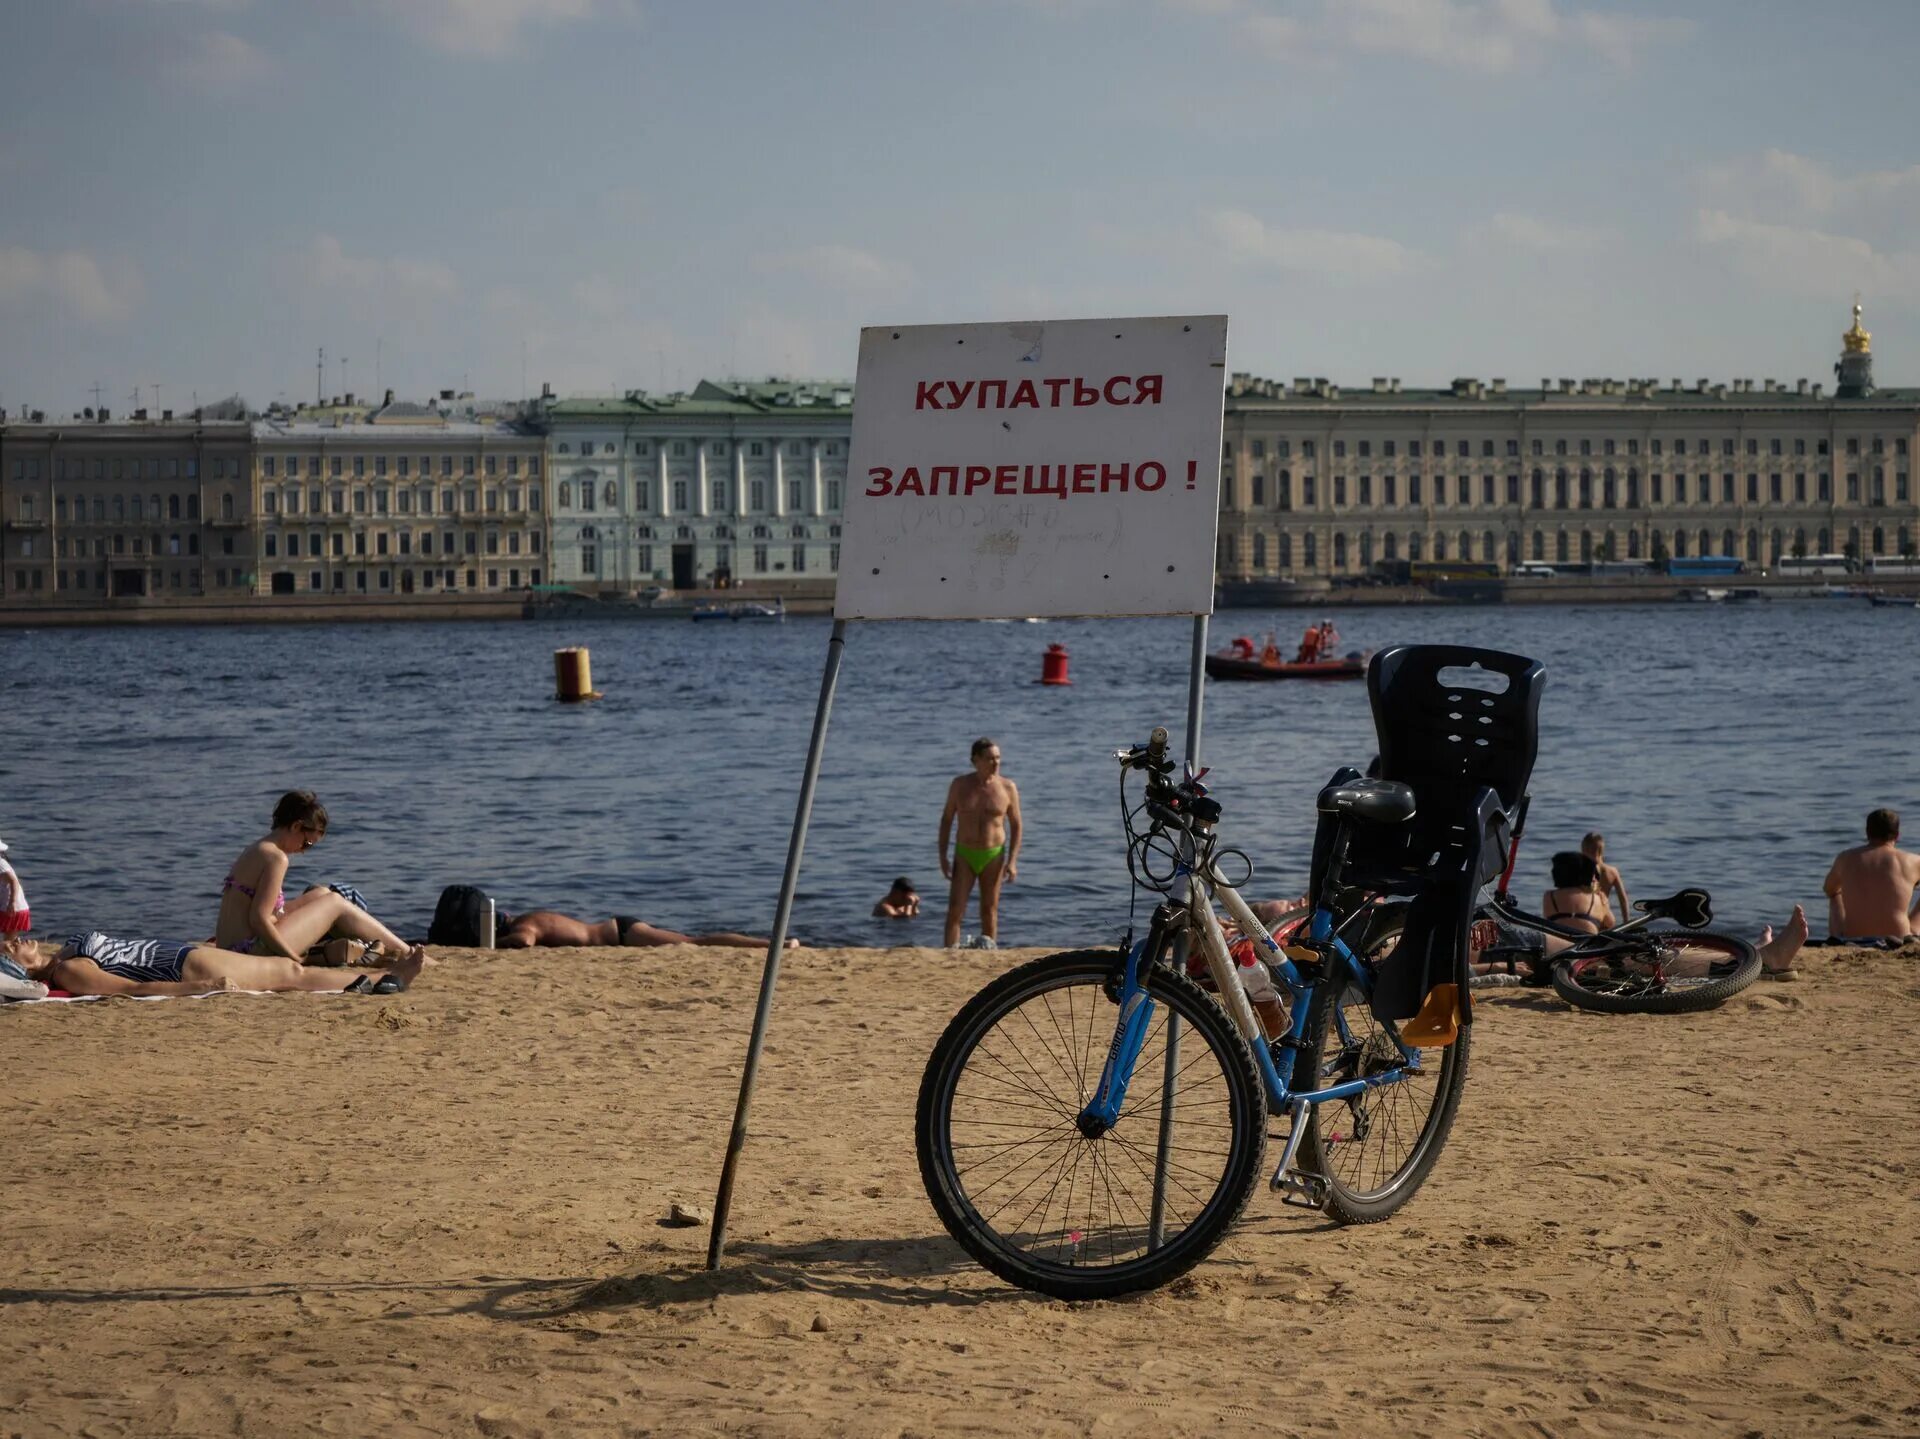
[(1321, 482), (94, 509), (727, 484), (401, 499)]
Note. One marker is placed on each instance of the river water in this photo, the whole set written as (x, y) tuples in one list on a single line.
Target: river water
[(1736, 747)]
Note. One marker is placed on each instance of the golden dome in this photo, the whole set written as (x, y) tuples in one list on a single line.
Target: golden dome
[(1857, 340)]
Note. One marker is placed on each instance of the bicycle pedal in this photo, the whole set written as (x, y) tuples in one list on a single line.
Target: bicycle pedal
[(1302, 1191)]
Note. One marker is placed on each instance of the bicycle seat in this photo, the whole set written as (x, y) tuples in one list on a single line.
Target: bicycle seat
[(1380, 801), (1690, 908)]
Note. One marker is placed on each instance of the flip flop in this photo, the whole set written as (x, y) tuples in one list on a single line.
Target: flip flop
[(362, 985), (388, 984)]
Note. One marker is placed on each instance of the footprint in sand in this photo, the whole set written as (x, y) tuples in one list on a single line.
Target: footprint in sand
[(1771, 1000)]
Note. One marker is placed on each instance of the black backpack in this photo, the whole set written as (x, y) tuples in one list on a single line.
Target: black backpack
[(458, 917)]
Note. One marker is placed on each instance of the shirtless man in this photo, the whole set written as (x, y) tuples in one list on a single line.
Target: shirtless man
[(549, 929), (987, 847), (1594, 847), (1870, 889)]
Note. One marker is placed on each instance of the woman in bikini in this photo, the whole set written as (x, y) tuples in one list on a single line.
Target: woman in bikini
[(95, 963), (1575, 903), (986, 805), (257, 918)]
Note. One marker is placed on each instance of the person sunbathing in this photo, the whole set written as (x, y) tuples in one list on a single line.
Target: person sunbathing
[(1496, 947), (550, 929), (95, 963)]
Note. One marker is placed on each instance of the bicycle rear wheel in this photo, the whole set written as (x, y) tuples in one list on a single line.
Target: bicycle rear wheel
[(1041, 1204), (1674, 971), (1377, 1148)]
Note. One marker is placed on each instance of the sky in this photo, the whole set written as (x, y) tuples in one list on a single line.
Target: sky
[(198, 195)]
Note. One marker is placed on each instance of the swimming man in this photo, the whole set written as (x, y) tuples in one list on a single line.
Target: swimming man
[(1870, 889), (986, 805)]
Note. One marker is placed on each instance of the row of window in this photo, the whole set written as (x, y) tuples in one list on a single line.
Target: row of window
[(756, 449), (411, 580), (381, 500), (273, 466), (594, 493), (123, 467), (404, 542), (105, 508), (1588, 546), (762, 558), (720, 532), (1581, 492), (189, 580), (1464, 448), (79, 548)]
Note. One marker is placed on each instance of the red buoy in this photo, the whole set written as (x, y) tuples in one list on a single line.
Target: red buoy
[(1053, 666)]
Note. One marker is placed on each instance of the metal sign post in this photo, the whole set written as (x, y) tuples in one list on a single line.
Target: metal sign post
[(1061, 469), (783, 912)]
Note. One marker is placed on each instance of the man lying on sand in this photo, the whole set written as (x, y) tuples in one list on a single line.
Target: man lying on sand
[(1531, 948), (95, 963), (1871, 887), (549, 929)]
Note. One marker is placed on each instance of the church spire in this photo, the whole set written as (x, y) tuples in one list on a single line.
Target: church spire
[(1854, 373)]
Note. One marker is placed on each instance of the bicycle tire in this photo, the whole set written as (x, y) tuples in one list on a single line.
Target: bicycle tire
[(1598, 983), (1085, 982), (1340, 1132)]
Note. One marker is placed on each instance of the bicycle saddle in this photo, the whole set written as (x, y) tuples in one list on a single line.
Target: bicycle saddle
[(1380, 801), (1690, 908)]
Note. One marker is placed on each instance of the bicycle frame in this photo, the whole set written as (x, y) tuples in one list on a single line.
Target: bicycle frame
[(1197, 882)]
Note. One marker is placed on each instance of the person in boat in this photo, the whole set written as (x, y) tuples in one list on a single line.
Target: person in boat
[(900, 902), (1594, 847), (1575, 903), (257, 918), (95, 963), (984, 807), (550, 929), (1317, 643), (1270, 655), (1871, 888), (1242, 648)]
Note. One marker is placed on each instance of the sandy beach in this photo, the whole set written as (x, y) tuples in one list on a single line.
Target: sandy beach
[(440, 1213)]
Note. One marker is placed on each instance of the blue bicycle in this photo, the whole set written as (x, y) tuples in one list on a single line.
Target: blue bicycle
[(1092, 1123)]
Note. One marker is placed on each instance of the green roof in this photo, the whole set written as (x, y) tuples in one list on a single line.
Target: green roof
[(711, 399)]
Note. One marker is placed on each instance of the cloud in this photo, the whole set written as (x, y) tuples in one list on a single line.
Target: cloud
[(216, 62), (73, 281), (1781, 184), (1798, 226), (1248, 240), (1509, 230), (1485, 36), (490, 29), (1798, 260), (325, 264), (845, 268)]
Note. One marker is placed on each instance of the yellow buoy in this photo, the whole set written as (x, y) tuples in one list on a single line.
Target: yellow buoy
[(573, 675)]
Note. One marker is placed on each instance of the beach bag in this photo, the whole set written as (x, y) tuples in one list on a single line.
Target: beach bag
[(458, 918)]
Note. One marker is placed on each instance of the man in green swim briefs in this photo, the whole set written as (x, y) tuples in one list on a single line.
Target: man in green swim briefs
[(987, 847)]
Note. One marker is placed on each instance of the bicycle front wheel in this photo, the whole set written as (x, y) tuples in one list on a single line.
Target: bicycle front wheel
[(1672, 971), (1377, 1148), (1034, 1199)]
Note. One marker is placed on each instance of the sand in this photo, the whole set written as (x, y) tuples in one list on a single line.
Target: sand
[(439, 1213)]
